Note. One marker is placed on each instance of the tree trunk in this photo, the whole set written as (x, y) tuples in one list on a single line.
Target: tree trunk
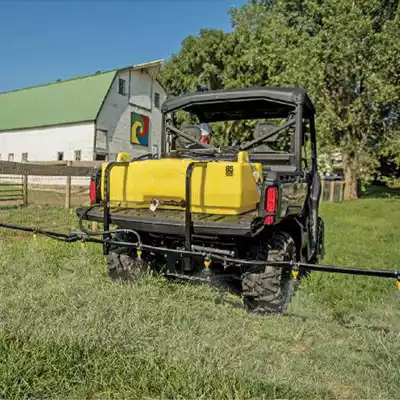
[(350, 189)]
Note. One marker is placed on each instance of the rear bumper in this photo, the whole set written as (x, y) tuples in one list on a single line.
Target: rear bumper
[(168, 222)]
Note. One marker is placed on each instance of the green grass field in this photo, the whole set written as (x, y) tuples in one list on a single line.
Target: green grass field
[(67, 331)]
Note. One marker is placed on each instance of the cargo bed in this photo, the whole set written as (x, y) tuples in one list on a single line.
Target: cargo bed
[(172, 222)]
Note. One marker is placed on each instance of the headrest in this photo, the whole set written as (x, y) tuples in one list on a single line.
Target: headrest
[(192, 130), (263, 128)]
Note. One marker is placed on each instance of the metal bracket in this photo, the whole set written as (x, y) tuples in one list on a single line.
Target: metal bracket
[(188, 211)]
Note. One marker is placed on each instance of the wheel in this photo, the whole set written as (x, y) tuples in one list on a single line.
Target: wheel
[(321, 239), (320, 244), (123, 267), (271, 291), (123, 264)]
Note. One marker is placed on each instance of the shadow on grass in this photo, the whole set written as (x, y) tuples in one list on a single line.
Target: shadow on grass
[(381, 192)]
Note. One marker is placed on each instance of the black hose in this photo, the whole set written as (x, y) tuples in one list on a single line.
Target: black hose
[(86, 237), (35, 230)]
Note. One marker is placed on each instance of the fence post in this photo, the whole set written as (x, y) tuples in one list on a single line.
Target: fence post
[(322, 190), (341, 190), (332, 191), (68, 186), (25, 189)]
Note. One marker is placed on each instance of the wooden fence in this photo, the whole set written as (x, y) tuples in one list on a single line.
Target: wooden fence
[(56, 168), (14, 177), (13, 191), (332, 191)]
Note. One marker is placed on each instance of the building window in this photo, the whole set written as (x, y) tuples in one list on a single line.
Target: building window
[(101, 157), (11, 157), (60, 156), (157, 100), (24, 157), (121, 87), (77, 155)]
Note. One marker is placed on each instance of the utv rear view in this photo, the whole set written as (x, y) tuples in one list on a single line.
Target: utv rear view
[(196, 208)]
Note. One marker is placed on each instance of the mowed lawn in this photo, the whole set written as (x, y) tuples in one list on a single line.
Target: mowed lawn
[(67, 331)]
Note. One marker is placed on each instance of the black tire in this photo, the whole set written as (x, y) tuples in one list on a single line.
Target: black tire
[(321, 240), (123, 267), (319, 252), (271, 291), (123, 264)]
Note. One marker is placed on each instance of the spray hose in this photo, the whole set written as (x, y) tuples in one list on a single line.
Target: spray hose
[(85, 236)]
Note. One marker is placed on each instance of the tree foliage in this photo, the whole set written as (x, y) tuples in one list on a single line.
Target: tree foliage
[(201, 60), (345, 53)]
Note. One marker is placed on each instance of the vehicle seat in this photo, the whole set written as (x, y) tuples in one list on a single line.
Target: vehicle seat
[(261, 129), (264, 153)]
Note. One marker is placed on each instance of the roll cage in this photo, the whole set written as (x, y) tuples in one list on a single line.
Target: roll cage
[(289, 103)]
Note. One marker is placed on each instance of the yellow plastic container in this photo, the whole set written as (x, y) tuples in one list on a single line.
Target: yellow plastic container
[(220, 187)]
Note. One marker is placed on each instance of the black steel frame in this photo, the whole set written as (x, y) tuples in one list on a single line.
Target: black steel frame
[(188, 204), (188, 212), (106, 205), (87, 237)]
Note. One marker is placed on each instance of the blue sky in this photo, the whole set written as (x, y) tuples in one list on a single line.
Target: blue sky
[(42, 41)]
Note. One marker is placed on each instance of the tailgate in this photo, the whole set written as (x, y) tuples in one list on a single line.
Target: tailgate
[(173, 221)]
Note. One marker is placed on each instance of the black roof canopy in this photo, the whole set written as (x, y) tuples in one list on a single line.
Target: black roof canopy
[(247, 103)]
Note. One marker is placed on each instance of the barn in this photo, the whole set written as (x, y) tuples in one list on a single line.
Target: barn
[(85, 118)]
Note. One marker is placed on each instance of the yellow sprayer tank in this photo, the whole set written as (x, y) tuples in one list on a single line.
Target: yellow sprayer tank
[(220, 187)]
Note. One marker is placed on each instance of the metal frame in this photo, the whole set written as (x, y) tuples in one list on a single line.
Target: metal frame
[(188, 205), (290, 96), (313, 139), (258, 141), (106, 205), (298, 99), (90, 237), (298, 136)]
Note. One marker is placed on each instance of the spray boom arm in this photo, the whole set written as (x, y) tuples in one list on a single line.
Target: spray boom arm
[(106, 237)]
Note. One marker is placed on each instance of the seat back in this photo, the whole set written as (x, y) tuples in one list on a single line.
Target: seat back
[(265, 154)]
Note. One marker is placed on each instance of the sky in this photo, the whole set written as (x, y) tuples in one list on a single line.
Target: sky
[(42, 41)]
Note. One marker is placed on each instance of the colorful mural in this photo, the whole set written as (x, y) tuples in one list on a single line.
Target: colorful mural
[(139, 129)]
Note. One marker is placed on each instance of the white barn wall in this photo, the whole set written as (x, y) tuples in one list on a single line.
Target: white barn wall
[(115, 115), (157, 115), (141, 89), (43, 144)]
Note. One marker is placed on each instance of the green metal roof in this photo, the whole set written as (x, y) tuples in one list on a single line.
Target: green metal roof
[(73, 100)]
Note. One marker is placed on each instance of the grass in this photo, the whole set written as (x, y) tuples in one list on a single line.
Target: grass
[(67, 331)]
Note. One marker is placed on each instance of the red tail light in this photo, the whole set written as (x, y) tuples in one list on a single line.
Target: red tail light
[(93, 190), (269, 220), (271, 202), (271, 199)]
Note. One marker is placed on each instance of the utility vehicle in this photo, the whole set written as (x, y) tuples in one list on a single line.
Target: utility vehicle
[(208, 205)]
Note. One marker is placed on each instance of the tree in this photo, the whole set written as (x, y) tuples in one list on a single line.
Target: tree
[(199, 61), (344, 53)]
